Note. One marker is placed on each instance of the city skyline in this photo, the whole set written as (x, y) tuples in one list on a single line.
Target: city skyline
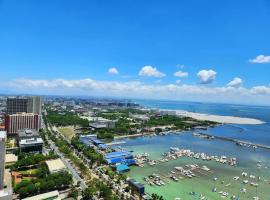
[(213, 52)]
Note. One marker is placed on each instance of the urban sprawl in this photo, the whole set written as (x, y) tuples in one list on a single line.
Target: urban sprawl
[(69, 148)]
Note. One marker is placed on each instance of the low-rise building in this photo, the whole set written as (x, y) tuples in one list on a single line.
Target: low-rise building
[(56, 165), (54, 195), (136, 187), (11, 159), (100, 122), (167, 112), (139, 117), (30, 141)]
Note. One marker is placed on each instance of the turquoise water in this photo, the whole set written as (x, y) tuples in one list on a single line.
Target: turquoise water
[(247, 158)]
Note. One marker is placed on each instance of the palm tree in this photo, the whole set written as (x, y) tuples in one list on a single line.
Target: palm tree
[(157, 197)]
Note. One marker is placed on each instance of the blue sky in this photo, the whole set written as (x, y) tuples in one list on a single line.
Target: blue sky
[(68, 47)]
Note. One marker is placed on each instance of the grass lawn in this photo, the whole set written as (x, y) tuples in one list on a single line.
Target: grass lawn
[(30, 172), (67, 132)]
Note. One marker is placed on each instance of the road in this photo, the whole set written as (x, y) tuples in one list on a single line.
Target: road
[(73, 171)]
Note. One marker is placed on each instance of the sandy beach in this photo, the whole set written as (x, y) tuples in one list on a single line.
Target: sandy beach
[(219, 118)]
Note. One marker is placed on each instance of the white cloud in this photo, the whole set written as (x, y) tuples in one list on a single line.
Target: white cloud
[(181, 74), (178, 81), (206, 76), (137, 89), (261, 59), (151, 72), (236, 82), (260, 90), (113, 71)]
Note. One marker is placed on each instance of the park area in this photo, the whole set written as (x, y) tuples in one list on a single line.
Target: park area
[(67, 131)]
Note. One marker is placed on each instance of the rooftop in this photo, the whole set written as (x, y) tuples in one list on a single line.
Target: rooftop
[(10, 158), (136, 183), (23, 114), (55, 165), (31, 141), (3, 134), (122, 168), (54, 195), (27, 133)]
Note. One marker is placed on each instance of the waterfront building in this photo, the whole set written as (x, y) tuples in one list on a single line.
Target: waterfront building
[(20, 121), (167, 112), (136, 187), (3, 136), (29, 141), (120, 168)]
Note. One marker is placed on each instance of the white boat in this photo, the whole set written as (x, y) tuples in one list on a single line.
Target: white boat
[(244, 174)]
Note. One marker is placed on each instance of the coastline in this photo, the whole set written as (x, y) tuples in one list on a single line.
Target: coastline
[(219, 118)]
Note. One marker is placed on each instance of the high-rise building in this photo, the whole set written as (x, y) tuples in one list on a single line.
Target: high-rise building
[(20, 121), (34, 105), (24, 104), (3, 136), (16, 105), (23, 113)]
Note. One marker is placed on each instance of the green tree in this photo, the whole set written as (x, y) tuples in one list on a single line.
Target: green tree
[(88, 193), (73, 193)]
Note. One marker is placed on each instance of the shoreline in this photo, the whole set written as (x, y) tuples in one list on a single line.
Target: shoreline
[(218, 118)]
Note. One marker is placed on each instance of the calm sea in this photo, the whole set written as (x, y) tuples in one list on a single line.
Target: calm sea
[(247, 157)]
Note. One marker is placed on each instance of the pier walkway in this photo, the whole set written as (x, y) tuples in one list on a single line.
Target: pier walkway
[(115, 143), (236, 141)]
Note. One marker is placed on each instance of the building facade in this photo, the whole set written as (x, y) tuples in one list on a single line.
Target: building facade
[(24, 104), (16, 105), (29, 141), (20, 121), (34, 105), (3, 136)]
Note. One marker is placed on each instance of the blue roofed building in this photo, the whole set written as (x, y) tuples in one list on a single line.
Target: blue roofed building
[(103, 146), (96, 141), (136, 187), (123, 154), (120, 168)]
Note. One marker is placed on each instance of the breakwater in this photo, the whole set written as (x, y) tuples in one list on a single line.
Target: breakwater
[(236, 141)]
